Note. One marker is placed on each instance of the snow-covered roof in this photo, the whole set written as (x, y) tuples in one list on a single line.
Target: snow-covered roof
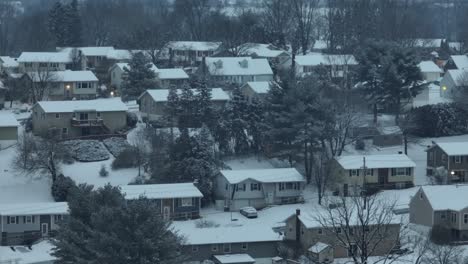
[(446, 197), (65, 76), (7, 119), (222, 66), (318, 247), (315, 59), (389, 130), (194, 45), (354, 162), (160, 95), (98, 105), (96, 51), (44, 208), (234, 259), (8, 62), (454, 148), (320, 45), (38, 253), (263, 175), (163, 74), (429, 66), (54, 57), (459, 77), (260, 50), (460, 61), (160, 191), (260, 87), (119, 54)]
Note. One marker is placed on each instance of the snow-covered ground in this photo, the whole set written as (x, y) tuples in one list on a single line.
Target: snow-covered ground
[(39, 253)]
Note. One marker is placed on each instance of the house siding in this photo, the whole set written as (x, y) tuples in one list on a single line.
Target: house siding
[(435, 160), (8, 133), (254, 249), (421, 212)]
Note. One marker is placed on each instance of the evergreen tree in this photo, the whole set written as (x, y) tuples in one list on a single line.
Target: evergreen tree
[(187, 105), (57, 24), (73, 25), (204, 106), (172, 107), (139, 77), (104, 228)]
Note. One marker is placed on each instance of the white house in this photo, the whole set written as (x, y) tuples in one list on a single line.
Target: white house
[(238, 70), (430, 71), (67, 85), (44, 61), (457, 62), (338, 65), (8, 64), (257, 90), (259, 187), (452, 82), (266, 51), (190, 52), (165, 77)]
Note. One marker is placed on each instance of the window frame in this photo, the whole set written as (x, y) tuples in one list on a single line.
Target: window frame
[(14, 220), (245, 246), (28, 219), (465, 218), (229, 248), (457, 159), (214, 247), (64, 130), (57, 115), (184, 202)]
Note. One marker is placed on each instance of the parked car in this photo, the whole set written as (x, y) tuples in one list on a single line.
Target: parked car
[(249, 212)]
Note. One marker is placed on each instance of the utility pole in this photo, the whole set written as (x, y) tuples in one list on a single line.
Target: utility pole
[(364, 190)]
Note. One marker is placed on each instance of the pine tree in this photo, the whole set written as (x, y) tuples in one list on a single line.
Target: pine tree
[(235, 116), (57, 24), (187, 105), (204, 106), (139, 77), (73, 25)]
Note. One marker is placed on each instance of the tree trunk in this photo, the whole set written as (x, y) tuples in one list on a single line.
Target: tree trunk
[(405, 142), (375, 113)]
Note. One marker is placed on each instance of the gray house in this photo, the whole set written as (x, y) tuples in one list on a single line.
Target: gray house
[(259, 187), (79, 118), (190, 52), (177, 201), (26, 223), (44, 61), (452, 82), (442, 205), (449, 160), (8, 127)]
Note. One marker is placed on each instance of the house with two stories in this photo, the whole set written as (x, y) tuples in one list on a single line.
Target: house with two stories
[(430, 71), (153, 103), (8, 64), (72, 119), (257, 90), (165, 77), (66, 85), (448, 161), (369, 173), (44, 61), (338, 66), (258, 187), (322, 242), (235, 70), (273, 54), (25, 223), (176, 201), (190, 52), (442, 206), (453, 82)]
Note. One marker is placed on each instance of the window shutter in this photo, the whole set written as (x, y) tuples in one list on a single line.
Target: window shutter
[(350, 173), (244, 186), (357, 172), (8, 220), (32, 216), (251, 186), (17, 220), (24, 219)]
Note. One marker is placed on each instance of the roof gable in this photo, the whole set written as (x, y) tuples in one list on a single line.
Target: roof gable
[(263, 175), (354, 162)]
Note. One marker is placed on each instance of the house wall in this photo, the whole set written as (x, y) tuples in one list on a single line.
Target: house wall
[(431, 76), (34, 67), (448, 82), (59, 92), (241, 79), (148, 107), (436, 158), (116, 78), (254, 249), (421, 212), (8, 133)]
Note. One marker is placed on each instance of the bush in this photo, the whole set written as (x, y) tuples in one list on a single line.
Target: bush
[(115, 145), (360, 144), (205, 224), (438, 120), (103, 171), (132, 119), (126, 159), (441, 235), (61, 188), (87, 150)]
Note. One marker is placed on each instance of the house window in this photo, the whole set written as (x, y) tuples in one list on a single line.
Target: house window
[(370, 172), (366, 229), (186, 201), (43, 116), (226, 186), (43, 64), (319, 231), (194, 248), (244, 246), (84, 85), (214, 247), (465, 218), (281, 186), (227, 248), (64, 130), (57, 115), (28, 219), (401, 171), (240, 187), (255, 187), (53, 65), (454, 217), (442, 215), (98, 114), (28, 65), (12, 219), (353, 173), (457, 159), (57, 218)]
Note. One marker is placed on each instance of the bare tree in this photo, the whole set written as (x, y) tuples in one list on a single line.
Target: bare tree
[(322, 174), (194, 16), (42, 80), (303, 14), (24, 159), (277, 20), (141, 149)]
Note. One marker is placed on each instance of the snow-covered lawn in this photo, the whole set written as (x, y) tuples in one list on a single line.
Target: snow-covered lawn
[(39, 253)]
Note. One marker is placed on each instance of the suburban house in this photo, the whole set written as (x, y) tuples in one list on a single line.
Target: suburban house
[(442, 205), (92, 56), (273, 54), (258, 187), (448, 161), (8, 127), (257, 90), (26, 223), (391, 171), (190, 52), (457, 62), (338, 66), (79, 118), (430, 71), (237, 70), (8, 64), (44, 61), (452, 82), (153, 102), (322, 243), (177, 201), (226, 241), (67, 85), (165, 77)]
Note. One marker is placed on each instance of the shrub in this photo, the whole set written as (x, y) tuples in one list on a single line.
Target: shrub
[(441, 235), (360, 144), (438, 120), (87, 150), (202, 223), (126, 159), (61, 188), (132, 119), (115, 145), (103, 171)]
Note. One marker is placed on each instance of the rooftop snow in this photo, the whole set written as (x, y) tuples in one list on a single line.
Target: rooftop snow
[(54, 57), (119, 54), (429, 66), (7, 119), (65, 76), (234, 66), (45, 208), (318, 247), (194, 45), (315, 59), (98, 105), (234, 259), (375, 161), (320, 45), (459, 77), (460, 61), (454, 148), (96, 51), (263, 175), (260, 50), (161, 191), (447, 197), (260, 87), (163, 74), (160, 95), (8, 62)]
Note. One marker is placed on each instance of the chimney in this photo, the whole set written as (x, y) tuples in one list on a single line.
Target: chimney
[(298, 225)]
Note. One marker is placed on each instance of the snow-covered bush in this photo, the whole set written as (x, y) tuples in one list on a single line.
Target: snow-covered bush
[(438, 120), (126, 159), (115, 145), (202, 223), (61, 187), (87, 150), (103, 171), (132, 119)]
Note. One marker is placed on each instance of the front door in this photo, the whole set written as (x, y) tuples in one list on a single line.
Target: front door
[(270, 199), (44, 229), (166, 212), (383, 174)]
